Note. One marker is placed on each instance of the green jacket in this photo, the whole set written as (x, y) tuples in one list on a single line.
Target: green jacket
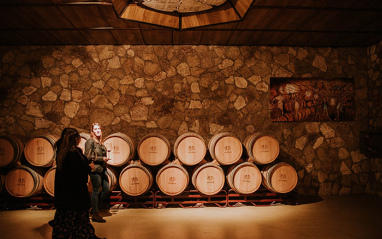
[(100, 151)]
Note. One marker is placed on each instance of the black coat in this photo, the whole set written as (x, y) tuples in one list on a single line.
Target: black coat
[(70, 185)]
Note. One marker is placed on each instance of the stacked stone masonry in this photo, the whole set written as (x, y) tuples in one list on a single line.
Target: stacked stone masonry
[(171, 90)]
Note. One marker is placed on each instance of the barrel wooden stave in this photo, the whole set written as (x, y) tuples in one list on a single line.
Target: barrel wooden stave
[(280, 177), (39, 151), (262, 148), (208, 179), (122, 149), (49, 178), (11, 150), (135, 179), (23, 181), (244, 178), (172, 179), (190, 149), (154, 149), (225, 148)]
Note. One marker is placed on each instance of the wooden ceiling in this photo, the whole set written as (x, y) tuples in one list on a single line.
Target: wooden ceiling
[(306, 23)]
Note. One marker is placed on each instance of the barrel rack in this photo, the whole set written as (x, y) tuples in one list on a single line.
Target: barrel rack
[(193, 199), (156, 199)]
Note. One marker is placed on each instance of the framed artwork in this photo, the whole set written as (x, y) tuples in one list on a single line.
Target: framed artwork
[(312, 99)]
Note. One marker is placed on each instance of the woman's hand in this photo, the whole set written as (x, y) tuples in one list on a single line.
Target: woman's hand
[(92, 166)]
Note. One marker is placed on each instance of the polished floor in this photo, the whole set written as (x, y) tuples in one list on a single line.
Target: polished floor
[(350, 217)]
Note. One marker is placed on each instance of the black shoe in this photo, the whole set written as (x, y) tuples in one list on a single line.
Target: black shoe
[(51, 223), (97, 218)]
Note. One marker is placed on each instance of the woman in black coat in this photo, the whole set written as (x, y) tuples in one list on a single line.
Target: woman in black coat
[(71, 197)]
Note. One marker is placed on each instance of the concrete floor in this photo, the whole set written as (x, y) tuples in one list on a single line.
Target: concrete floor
[(347, 217)]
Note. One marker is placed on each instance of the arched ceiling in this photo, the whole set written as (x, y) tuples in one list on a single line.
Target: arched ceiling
[(318, 23)]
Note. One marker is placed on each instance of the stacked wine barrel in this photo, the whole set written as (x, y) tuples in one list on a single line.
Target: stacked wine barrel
[(152, 164)]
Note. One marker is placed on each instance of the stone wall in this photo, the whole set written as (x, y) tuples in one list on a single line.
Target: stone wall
[(171, 90), (375, 105)]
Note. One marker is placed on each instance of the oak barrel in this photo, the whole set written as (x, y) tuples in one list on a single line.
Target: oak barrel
[(121, 149), (49, 180), (112, 178), (208, 179), (135, 179), (11, 150), (244, 178), (154, 149), (225, 148), (2, 182), (23, 181), (280, 177), (261, 148), (39, 151), (190, 148), (172, 179)]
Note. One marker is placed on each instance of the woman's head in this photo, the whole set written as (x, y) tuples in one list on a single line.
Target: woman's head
[(96, 131), (69, 139)]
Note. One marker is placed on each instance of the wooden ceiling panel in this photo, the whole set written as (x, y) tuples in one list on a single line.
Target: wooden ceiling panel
[(258, 18), (47, 16), (13, 38), (289, 3), (273, 38), (16, 17), (39, 37), (369, 4), (157, 37), (69, 37), (314, 39), (246, 38), (128, 37), (84, 15), (224, 14), (291, 19), (215, 37), (113, 20), (336, 20), (222, 26), (187, 37), (98, 37), (324, 23)]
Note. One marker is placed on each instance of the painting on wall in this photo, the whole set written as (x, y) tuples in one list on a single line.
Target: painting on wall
[(312, 99)]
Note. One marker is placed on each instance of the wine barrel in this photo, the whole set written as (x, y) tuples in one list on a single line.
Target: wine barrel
[(23, 181), (84, 138), (190, 149), (225, 148), (154, 149), (39, 151), (135, 179), (11, 150), (172, 179), (49, 181), (244, 178), (121, 149), (208, 179), (261, 148), (2, 182), (279, 178), (112, 178)]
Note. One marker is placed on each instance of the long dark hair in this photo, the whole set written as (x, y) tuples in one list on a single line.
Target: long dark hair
[(68, 140)]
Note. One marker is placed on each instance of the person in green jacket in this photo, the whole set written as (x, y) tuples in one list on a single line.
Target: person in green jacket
[(96, 151)]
